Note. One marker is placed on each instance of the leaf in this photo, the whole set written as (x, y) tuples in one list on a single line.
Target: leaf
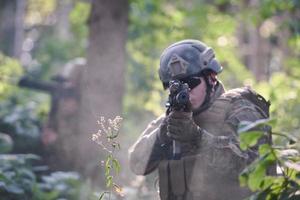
[(109, 181), (254, 174), (243, 178), (249, 139), (108, 165), (264, 194), (108, 159), (31, 156), (15, 189), (2, 184), (102, 195), (272, 122), (264, 148), (3, 177), (267, 182), (107, 170), (116, 165), (6, 143), (256, 178)]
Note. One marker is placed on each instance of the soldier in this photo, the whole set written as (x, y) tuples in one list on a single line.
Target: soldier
[(210, 158)]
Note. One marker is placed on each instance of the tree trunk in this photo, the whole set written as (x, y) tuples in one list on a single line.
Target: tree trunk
[(19, 27), (102, 83), (7, 26), (255, 50), (258, 55), (11, 26)]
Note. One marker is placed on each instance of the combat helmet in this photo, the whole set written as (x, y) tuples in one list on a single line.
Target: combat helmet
[(185, 59)]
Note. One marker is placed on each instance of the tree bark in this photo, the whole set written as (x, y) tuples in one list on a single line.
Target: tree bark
[(255, 50), (7, 26), (19, 27), (102, 83)]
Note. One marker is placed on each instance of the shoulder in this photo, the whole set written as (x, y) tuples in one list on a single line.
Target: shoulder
[(238, 93), (245, 105)]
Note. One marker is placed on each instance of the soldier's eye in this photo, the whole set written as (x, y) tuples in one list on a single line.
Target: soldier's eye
[(192, 82)]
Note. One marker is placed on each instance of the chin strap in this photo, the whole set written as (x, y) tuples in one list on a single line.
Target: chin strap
[(211, 83)]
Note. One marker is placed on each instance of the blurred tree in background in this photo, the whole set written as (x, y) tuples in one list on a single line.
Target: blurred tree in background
[(257, 43)]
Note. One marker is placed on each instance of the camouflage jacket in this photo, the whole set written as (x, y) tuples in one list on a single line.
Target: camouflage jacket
[(210, 165)]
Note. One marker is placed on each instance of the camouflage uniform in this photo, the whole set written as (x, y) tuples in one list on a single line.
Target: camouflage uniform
[(210, 165)]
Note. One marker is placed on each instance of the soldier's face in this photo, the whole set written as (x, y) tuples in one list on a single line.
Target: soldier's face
[(198, 94)]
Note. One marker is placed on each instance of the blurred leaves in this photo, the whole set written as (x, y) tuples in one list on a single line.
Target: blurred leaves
[(249, 139), (19, 181), (10, 71), (261, 177), (6, 143), (78, 19), (19, 117), (38, 11), (283, 91)]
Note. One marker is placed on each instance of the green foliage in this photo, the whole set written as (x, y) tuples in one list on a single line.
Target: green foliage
[(6, 143), (259, 176), (38, 11), (10, 71), (22, 122), (16, 177), (20, 118), (283, 91), (65, 184), (20, 180), (78, 19), (52, 51)]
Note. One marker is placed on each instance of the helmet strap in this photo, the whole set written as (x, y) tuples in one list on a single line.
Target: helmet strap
[(211, 82)]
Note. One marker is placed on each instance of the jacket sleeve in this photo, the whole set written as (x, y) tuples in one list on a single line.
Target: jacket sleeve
[(147, 152)]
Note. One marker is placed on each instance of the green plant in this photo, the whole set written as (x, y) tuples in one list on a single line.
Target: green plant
[(21, 121), (6, 143), (286, 184), (106, 137), (21, 180)]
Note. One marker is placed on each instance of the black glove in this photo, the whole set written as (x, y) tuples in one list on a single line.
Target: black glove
[(182, 127), (162, 135)]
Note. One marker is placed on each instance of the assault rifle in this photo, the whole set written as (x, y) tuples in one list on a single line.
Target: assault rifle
[(178, 101)]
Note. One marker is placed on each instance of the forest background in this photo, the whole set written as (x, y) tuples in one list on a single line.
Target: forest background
[(65, 64)]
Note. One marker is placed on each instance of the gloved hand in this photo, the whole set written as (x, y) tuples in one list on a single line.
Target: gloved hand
[(162, 135), (182, 127)]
